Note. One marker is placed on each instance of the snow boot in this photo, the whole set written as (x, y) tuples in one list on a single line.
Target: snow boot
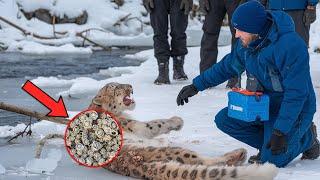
[(163, 77), (178, 72), (314, 151)]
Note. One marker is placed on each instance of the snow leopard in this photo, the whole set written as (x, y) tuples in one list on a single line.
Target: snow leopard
[(141, 159)]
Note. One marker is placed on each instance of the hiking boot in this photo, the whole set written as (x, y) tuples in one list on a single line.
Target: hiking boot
[(314, 151), (255, 159), (234, 82), (163, 77), (178, 72)]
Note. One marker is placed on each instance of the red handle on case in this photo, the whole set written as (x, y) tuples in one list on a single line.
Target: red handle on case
[(246, 92)]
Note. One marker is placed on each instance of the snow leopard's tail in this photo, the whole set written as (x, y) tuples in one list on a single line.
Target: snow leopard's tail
[(175, 170)]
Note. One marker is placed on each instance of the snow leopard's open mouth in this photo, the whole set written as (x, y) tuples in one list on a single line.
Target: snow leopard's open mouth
[(127, 100)]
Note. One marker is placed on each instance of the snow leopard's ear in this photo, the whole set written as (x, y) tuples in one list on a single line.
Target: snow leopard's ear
[(97, 101)]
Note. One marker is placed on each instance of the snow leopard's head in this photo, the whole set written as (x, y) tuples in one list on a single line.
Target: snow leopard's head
[(114, 98)]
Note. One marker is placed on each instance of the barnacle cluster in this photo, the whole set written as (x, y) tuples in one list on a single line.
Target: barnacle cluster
[(93, 138)]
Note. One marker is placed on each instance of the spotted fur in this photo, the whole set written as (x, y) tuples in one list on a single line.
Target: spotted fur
[(161, 163)]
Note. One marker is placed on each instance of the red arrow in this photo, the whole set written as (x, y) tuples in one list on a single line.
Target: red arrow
[(57, 109)]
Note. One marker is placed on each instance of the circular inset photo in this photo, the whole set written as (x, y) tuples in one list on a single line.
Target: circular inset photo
[(93, 138)]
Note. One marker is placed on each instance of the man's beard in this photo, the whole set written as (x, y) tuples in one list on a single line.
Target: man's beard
[(253, 38)]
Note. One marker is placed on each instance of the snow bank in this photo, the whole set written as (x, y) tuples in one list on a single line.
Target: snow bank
[(30, 47), (71, 8), (7, 131)]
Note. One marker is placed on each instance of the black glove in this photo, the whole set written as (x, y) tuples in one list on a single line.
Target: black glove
[(186, 5), (309, 15), (185, 93), (148, 4), (204, 6), (278, 143)]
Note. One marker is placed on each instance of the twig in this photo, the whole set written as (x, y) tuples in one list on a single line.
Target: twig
[(53, 26), (121, 19), (87, 39), (22, 132), (35, 114), (84, 40), (25, 32), (91, 29), (79, 34)]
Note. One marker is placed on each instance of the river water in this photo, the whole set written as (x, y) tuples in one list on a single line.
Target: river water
[(16, 68)]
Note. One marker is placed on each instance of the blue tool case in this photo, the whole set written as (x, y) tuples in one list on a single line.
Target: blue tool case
[(248, 106)]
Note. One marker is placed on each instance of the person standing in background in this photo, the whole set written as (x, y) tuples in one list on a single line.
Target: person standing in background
[(303, 13), (215, 11), (177, 11)]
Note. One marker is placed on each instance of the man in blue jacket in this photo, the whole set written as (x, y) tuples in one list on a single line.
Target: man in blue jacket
[(303, 13), (269, 50)]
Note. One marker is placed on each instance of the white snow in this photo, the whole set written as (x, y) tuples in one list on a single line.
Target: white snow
[(199, 132), (45, 165), (2, 170), (30, 47), (314, 41)]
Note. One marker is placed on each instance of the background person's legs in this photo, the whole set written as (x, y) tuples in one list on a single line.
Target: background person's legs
[(231, 6), (178, 26), (301, 28), (159, 23), (211, 29)]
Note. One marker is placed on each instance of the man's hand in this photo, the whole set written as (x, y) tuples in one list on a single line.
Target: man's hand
[(278, 143), (204, 6), (185, 93), (186, 5), (148, 4), (309, 15)]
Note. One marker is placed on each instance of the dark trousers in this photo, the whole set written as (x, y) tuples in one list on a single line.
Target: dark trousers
[(211, 29), (301, 28), (257, 134), (163, 10)]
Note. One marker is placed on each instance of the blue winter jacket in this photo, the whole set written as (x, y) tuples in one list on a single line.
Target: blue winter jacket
[(290, 4), (281, 64)]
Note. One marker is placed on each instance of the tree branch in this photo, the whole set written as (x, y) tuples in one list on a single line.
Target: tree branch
[(35, 114), (25, 32)]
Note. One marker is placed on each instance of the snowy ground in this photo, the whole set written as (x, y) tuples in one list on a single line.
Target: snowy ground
[(199, 132)]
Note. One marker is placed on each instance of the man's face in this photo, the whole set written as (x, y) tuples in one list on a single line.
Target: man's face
[(246, 38)]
